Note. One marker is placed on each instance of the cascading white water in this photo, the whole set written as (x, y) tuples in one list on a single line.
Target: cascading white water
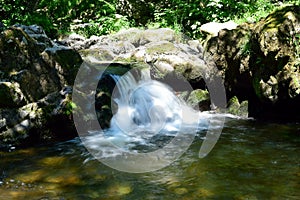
[(151, 127), (145, 108), (145, 105)]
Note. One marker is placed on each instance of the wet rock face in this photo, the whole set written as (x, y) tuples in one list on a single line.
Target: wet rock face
[(34, 76), (260, 62)]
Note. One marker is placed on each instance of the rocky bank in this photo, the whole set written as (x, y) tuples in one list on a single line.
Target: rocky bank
[(36, 77), (259, 64)]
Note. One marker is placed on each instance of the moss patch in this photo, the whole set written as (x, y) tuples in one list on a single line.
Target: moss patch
[(161, 47)]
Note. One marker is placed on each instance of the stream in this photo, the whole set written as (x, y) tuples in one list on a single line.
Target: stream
[(252, 160)]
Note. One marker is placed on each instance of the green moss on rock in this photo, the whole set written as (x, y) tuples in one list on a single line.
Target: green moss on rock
[(199, 98), (237, 108), (161, 48)]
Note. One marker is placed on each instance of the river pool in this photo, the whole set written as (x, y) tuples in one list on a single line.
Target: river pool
[(252, 160)]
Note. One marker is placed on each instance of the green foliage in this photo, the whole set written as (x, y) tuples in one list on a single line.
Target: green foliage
[(64, 12), (16, 11), (191, 15), (69, 107), (58, 15), (104, 25), (102, 17)]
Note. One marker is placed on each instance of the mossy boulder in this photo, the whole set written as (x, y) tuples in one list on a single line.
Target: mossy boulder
[(164, 50), (199, 99), (260, 63), (34, 76), (237, 108)]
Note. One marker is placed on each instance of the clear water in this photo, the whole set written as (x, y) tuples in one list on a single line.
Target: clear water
[(251, 161)]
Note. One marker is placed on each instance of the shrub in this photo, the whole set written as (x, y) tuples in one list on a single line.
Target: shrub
[(103, 16)]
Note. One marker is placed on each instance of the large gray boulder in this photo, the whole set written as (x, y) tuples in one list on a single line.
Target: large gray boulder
[(170, 57), (164, 50)]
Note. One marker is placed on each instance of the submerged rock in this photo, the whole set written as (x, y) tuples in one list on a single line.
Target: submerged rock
[(34, 76)]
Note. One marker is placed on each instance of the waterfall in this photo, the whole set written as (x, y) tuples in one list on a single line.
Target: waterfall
[(151, 126), (145, 105), (147, 111)]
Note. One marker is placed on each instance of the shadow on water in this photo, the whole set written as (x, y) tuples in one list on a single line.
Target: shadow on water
[(252, 160)]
